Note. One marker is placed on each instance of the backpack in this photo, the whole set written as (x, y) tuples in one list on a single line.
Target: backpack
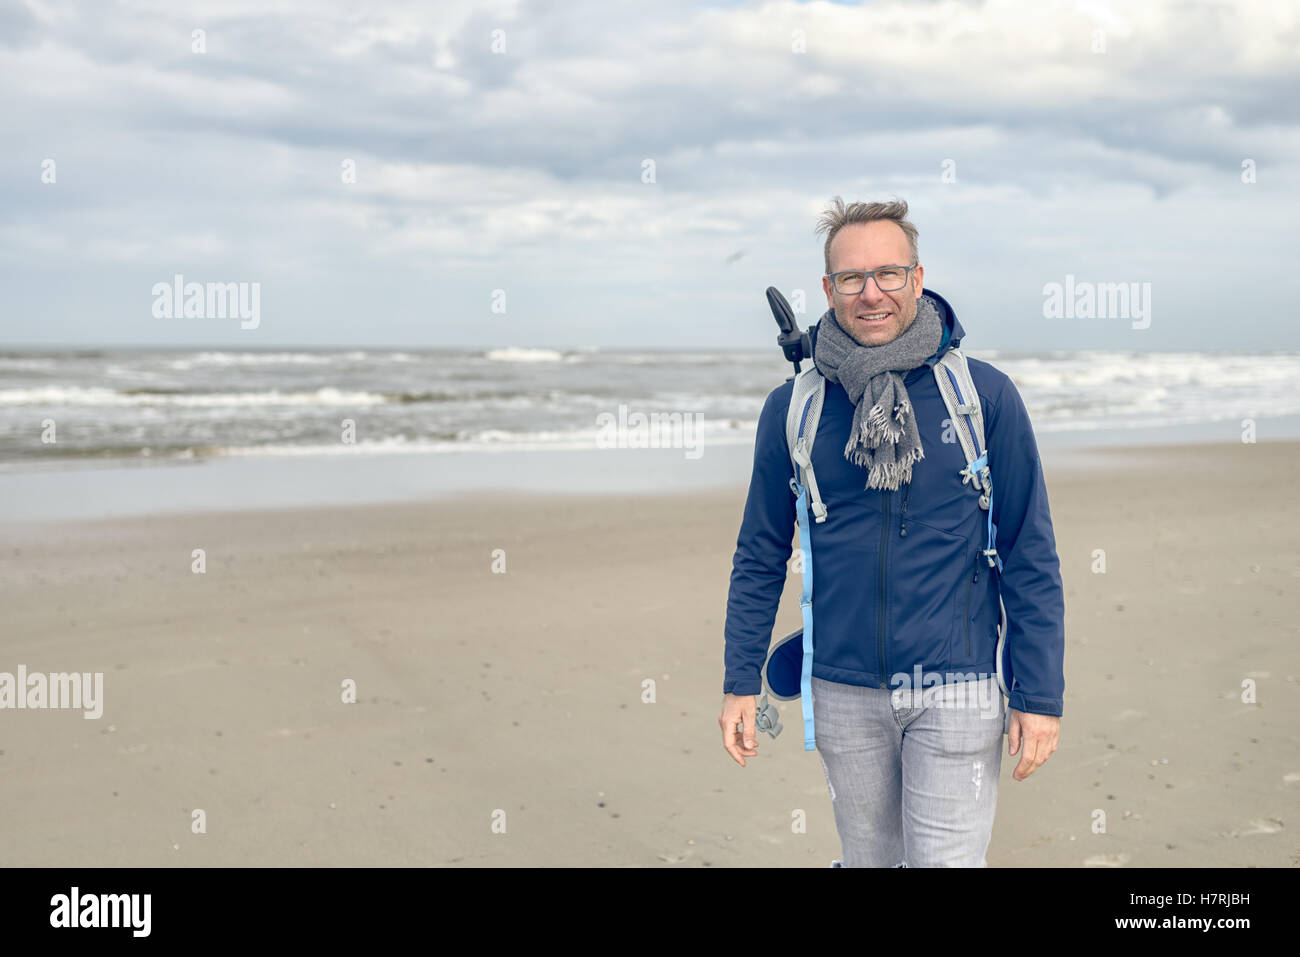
[(787, 674)]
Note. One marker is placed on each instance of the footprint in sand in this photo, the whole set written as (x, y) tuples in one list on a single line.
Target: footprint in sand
[(1261, 826), (1106, 860), (675, 858)]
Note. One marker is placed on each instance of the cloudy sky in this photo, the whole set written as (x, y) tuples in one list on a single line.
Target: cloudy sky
[(504, 146)]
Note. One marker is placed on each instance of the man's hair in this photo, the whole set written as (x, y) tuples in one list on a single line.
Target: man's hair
[(837, 215)]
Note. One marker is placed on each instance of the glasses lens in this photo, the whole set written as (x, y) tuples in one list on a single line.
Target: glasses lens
[(850, 283), (891, 279)]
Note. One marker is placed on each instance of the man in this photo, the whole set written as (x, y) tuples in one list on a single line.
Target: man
[(902, 587)]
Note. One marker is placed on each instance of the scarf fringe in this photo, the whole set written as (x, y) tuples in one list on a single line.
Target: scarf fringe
[(876, 428), (889, 475)]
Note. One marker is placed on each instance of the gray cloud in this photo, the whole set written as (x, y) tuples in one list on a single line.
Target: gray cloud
[(1067, 159)]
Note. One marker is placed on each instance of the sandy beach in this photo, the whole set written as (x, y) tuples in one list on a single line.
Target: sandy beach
[(499, 717)]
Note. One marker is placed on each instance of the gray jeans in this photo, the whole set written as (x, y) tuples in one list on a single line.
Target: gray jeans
[(913, 782)]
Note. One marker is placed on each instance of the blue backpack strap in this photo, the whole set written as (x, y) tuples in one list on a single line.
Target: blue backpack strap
[(802, 419), (805, 606)]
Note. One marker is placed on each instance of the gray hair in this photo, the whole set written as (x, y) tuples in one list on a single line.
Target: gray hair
[(837, 215)]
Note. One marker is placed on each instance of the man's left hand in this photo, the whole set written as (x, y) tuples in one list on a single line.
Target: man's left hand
[(1038, 733)]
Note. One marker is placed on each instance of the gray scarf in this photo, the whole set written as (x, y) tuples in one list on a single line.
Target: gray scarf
[(886, 442)]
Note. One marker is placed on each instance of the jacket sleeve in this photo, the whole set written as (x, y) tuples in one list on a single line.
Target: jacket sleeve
[(1030, 581), (763, 548)]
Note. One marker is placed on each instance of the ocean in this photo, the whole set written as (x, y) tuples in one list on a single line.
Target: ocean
[(160, 405), (101, 433)]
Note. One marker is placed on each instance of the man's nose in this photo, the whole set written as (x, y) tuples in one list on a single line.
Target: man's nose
[(871, 293)]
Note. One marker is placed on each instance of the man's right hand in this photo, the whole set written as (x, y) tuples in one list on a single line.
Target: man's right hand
[(739, 726)]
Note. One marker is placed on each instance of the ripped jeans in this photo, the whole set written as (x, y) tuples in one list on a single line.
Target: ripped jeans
[(914, 783)]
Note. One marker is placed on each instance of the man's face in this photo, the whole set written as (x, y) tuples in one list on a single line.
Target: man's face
[(872, 317)]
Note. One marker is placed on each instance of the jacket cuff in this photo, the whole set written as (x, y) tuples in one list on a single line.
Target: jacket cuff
[(742, 686), (1022, 702)]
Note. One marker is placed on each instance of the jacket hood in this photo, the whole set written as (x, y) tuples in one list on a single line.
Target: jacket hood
[(952, 329)]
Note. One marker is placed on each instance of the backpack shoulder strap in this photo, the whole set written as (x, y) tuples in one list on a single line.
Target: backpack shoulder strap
[(964, 411), (801, 431), (952, 372)]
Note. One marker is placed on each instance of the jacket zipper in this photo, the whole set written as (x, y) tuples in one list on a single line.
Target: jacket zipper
[(880, 620), (902, 521)]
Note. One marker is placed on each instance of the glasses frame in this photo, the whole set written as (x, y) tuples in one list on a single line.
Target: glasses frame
[(869, 276)]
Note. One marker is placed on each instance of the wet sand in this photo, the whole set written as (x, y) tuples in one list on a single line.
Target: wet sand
[(499, 717)]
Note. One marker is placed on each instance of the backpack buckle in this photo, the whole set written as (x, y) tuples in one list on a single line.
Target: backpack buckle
[(767, 718)]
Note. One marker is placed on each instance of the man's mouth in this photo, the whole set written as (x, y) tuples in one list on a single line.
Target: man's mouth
[(873, 316)]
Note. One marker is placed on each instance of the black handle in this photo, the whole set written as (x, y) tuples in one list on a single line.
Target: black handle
[(794, 342)]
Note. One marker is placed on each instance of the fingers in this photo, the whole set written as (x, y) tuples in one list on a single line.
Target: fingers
[(1028, 758), (733, 740), (738, 727), (1039, 743)]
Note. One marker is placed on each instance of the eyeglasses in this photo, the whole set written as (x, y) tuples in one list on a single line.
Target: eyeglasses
[(850, 282)]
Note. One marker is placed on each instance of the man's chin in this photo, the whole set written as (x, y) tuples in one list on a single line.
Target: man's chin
[(873, 336)]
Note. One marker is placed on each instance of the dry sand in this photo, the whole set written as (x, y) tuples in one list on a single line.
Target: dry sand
[(480, 693)]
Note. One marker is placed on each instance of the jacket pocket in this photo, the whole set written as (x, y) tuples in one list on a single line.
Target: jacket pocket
[(927, 594), (983, 615), (976, 619), (960, 649), (965, 615), (846, 552)]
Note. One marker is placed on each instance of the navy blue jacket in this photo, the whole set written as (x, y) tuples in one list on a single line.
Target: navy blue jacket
[(899, 581)]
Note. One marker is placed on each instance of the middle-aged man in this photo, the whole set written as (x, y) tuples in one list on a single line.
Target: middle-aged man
[(901, 584)]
